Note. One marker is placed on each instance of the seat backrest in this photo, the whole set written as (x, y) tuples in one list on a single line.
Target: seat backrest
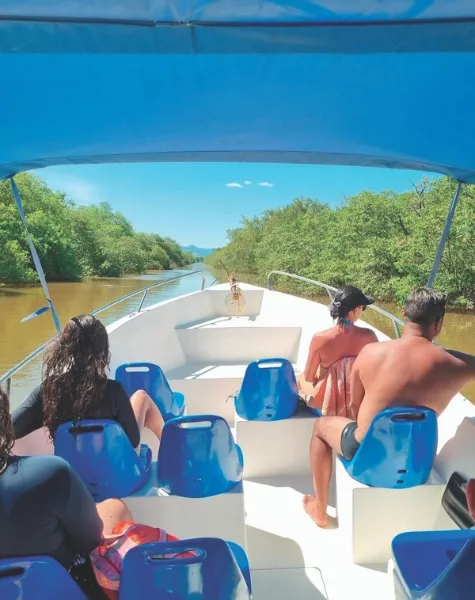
[(198, 457), (398, 450), (457, 582), (436, 565), (101, 453), (268, 391), (150, 378), (213, 574), (35, 577)]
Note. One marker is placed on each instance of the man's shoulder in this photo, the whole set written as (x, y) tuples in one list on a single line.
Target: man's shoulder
[(457, 358)]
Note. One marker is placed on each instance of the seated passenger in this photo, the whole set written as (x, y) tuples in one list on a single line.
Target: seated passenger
[(410, 371), (45, 508), (325, 383), (75, 386)]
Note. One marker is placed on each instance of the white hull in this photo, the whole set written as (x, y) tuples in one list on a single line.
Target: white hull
[(204, 352)]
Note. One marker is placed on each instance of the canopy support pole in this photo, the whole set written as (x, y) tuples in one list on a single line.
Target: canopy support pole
[(445, 235), (36, 260)]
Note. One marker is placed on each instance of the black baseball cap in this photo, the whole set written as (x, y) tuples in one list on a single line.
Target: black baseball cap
[(350, 297)]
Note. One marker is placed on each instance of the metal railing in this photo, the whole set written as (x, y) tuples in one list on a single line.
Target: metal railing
[(330, 289), (221, 279), (7, 378), (145, 291)]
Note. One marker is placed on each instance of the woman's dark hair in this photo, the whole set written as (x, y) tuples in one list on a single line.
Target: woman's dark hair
[(7, 438), (336, 311), (347, 299), (75, 372)]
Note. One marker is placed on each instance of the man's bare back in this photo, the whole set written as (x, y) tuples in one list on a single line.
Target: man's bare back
[(411, 371)]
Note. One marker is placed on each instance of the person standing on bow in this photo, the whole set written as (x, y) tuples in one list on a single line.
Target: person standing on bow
[(325, 383)]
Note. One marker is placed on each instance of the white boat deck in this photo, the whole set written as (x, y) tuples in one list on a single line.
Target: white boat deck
[(204, 352)]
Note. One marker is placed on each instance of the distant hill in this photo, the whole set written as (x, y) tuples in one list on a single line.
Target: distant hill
[(198, 251)]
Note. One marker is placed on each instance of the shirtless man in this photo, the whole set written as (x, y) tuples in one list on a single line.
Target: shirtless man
[(410, 371)]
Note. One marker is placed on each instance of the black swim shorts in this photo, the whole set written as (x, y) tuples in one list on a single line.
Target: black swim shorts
[(349, 444)]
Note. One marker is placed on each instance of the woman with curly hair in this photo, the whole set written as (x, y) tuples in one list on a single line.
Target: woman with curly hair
[(76, 386)]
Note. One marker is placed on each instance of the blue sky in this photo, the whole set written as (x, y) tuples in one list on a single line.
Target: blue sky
[(195, 203)]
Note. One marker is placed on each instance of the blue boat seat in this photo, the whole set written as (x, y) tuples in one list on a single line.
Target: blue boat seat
[(150, 378), (268, 391), (198, 457), (215, 573), (436, 565), (398, 450), (36, 577), (101, 453)]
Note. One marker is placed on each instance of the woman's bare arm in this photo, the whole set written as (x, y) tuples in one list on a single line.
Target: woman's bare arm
[(313, 359)]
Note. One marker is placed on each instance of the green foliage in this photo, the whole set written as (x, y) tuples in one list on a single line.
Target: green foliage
[(383, 242), (74, 241)]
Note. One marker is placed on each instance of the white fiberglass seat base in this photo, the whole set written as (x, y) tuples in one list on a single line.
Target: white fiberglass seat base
[(204, 351)]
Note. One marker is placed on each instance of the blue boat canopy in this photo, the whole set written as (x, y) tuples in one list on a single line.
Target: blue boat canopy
[(387, 83)]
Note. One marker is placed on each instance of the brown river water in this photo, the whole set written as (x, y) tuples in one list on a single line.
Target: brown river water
[(17, 339)]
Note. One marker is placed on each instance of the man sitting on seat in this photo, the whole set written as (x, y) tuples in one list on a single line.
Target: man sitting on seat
[(410, 371)]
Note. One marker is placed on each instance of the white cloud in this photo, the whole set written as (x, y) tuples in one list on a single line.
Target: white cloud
[(247, 182), (77, 188), (265, 184), (234, 184)]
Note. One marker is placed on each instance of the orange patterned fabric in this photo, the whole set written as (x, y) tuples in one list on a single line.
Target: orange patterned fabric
[(332, 393), (107, 558)]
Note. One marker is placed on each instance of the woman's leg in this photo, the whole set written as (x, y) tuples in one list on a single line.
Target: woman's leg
[(113, 511), (147, 413)]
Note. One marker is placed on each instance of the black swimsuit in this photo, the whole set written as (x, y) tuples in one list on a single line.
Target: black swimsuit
[(349, 444)]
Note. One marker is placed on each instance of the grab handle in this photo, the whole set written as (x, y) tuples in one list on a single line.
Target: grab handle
[(79, 429), (201, 424), (156, 553), (11, 572), (407, 417), (159, 559), (180, 421), (269, 363)]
